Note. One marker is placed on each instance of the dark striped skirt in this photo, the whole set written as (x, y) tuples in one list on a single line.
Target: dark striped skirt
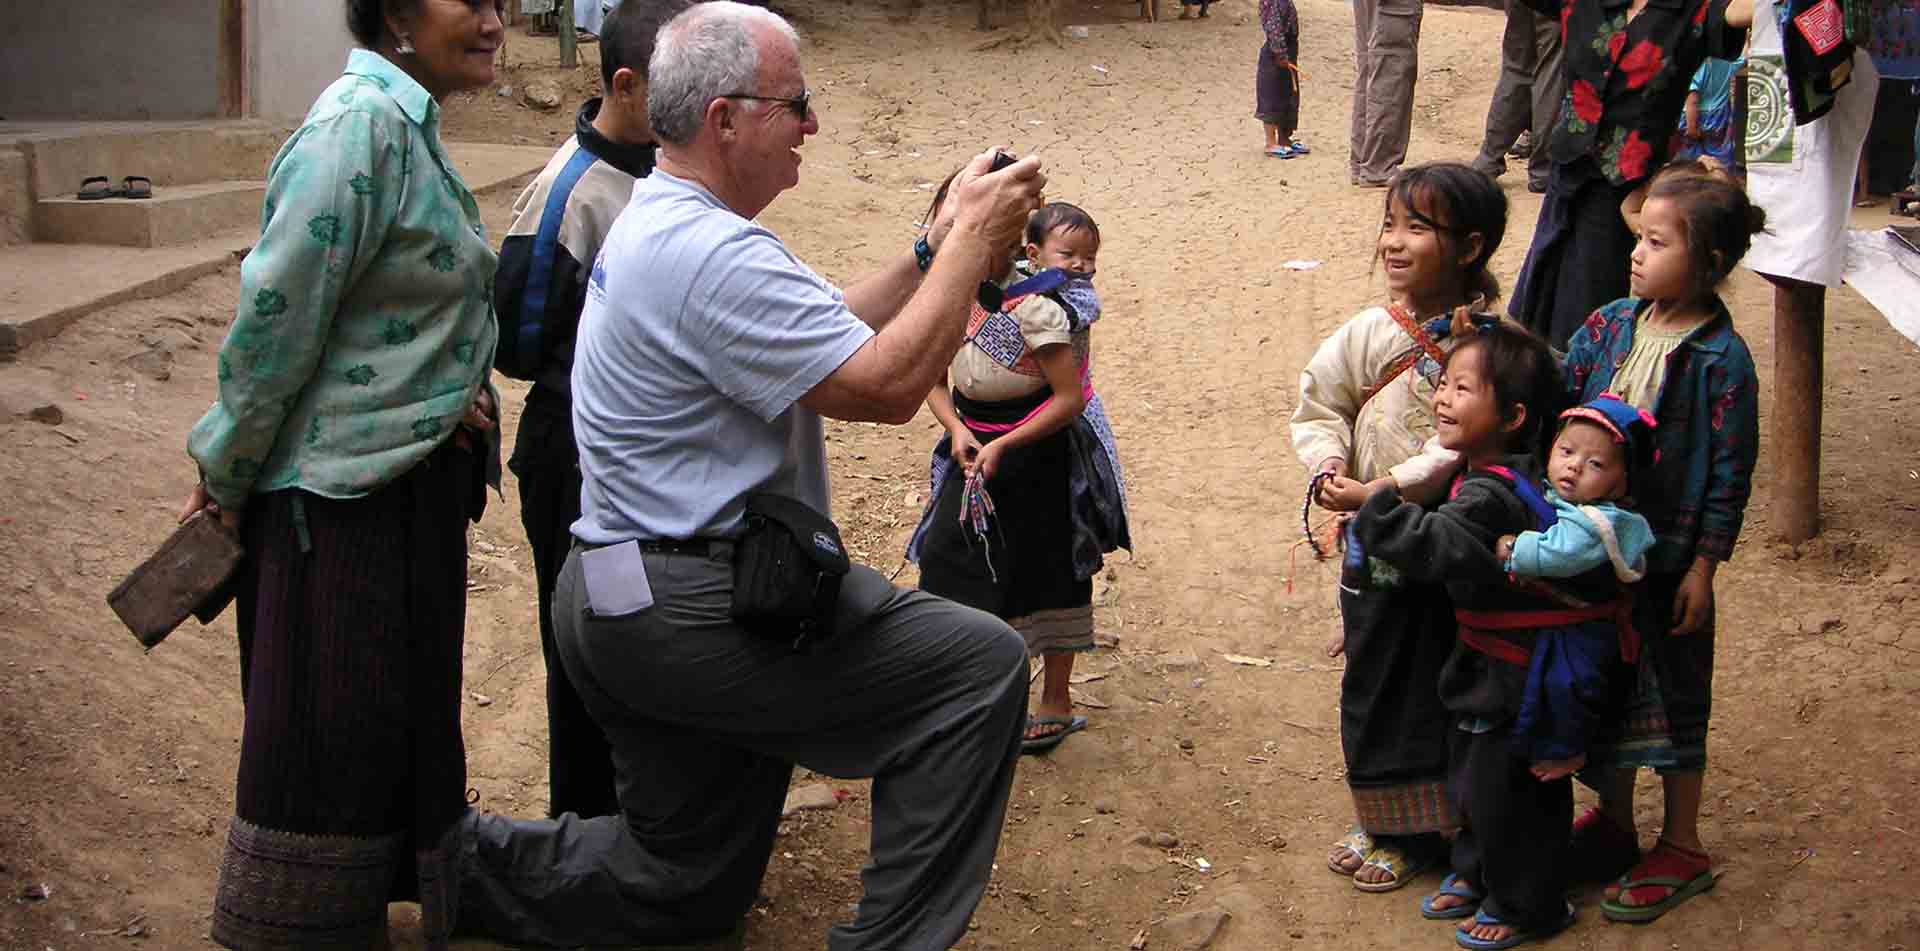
[(351, 614), (1022, 571)]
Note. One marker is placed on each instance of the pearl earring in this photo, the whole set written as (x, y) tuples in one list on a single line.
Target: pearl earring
[(405, 48)]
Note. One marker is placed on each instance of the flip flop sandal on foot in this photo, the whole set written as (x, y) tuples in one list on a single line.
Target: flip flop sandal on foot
[(1397, 863), (137, 187), (1300, 148), (1514, 940), (1684, 873), (1452, 886), (1280, 151), (1045, 743), (95, 188), (1358, 844)]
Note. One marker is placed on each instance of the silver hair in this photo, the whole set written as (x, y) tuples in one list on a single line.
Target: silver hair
[(706, 52)]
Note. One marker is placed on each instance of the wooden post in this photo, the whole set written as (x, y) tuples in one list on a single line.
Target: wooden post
[(1799, 345), (569, 51), (232, 70)]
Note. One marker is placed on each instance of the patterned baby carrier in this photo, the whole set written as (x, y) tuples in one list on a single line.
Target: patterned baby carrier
[(1096, 496), (1505, 633)]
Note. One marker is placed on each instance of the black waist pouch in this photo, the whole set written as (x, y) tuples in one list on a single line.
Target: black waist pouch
[(787, 570)]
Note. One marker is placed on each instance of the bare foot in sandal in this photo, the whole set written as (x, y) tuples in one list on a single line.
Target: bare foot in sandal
[(1350, 852)]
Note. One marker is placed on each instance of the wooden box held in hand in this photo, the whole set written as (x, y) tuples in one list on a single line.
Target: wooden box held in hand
[(189, 575)]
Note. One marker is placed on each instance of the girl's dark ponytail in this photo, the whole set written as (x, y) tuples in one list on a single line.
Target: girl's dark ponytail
[(1720, 222)]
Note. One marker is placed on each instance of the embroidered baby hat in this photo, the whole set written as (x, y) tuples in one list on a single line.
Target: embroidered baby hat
[(1631, 426)]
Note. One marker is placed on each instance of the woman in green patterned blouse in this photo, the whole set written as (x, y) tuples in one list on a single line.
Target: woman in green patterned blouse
[(351, 440)]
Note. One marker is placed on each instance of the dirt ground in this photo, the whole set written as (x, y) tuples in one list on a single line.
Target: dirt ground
[(116, 771)]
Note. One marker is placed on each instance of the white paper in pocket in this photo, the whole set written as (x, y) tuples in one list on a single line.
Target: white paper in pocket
[(616, 579)]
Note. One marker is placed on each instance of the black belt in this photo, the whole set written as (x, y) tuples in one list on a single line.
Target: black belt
[(666, 546)]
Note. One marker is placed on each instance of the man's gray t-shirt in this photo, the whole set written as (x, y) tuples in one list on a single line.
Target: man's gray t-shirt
[(700, 334)]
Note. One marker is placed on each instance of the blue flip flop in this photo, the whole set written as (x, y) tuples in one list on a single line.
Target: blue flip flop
[(1514, 940), (1280, 152), (1042, 744), (1452, 886), (1300, 148)]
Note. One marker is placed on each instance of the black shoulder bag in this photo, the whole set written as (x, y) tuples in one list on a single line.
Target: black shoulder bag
[(787, 570)]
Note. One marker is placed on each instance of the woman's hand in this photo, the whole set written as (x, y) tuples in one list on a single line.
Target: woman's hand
[(965, 449), (200, 501), (1503, 549), (1693, 602)]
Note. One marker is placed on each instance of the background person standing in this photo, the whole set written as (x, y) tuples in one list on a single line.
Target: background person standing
[(1386, 53), (1527, 97)]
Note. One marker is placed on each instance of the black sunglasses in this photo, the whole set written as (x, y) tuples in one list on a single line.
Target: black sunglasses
[(799, 105)]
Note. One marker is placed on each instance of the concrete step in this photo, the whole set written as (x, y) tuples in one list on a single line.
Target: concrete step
[(170, 153), (46, 287), (178, 214)]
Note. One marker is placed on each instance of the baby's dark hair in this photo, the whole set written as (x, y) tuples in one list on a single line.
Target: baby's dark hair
[(1522, 371), (1058, 215), (1720, 223), (1456, 201)]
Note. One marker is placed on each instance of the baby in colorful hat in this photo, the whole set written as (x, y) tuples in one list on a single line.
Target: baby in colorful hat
[(1601, 446), (1591, 469)]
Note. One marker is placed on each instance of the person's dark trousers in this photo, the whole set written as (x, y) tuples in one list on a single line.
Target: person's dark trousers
[(1581, 254), (1527, 95), (925, 696), (579, 760), (1513, 841)]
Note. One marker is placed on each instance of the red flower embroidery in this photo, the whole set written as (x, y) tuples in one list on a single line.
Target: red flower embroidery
[(1616, 43), (1722, 405), (1635, 152), (1641, 63), (1700, 14), (1586, 101)]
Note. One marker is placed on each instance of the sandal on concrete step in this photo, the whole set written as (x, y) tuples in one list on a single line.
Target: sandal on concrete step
[(1358, 844), (137, 187), (95, 187), (1453, 885)]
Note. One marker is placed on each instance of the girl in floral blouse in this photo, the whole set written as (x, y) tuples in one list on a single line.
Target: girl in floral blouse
[(1671, 350), (1628, 66)]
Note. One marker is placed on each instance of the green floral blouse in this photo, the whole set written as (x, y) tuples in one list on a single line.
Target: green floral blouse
[(365, 327)]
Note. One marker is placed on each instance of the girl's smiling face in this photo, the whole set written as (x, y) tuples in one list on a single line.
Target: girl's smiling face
[(1467, 415)]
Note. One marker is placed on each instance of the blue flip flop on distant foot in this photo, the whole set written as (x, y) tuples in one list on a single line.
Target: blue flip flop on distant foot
[(1042, 744), (1455, 887), (1281, 151), (1514, 940), (1300, 148)]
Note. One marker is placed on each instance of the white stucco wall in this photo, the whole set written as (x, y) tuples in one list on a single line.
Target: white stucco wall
[(152, 59), (296, 47)]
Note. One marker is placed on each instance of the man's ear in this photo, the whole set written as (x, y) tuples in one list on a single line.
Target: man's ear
[(629, 84), (722, 117)]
